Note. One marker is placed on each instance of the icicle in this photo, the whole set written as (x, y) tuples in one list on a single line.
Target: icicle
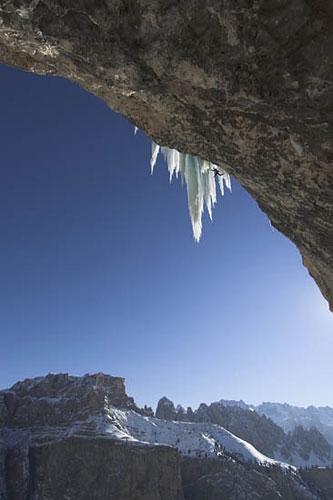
[(199, 176), (221, 184), (209, 186), (227, 180), (182, 166), (194, 193), (154, 153), (172, 158)]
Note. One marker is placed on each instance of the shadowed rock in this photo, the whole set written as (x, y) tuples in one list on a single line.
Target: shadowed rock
[(245, 84)]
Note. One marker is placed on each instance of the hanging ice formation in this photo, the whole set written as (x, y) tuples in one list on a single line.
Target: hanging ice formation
[(199, 176)]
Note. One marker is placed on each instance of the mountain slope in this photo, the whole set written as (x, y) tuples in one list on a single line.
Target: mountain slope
[(302, 447), (288, 417), (83, 438)]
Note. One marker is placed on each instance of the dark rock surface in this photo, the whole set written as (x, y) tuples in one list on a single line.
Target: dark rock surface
[(166, 410), (320, 482), (59, 399), (50, 448), (96, 469), (215, 480), (88, 468), (246, 84), (306, 442), (261, 432)]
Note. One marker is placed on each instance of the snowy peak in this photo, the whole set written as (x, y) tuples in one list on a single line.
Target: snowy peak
[(65, 385), (301, 447), (289, 417), (232, 402)]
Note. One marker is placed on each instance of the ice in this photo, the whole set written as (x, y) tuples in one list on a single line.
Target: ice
[(199, 176), (154, 153)]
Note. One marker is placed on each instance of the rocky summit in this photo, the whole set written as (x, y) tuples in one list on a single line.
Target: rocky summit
[(66, 437), (51, 449)]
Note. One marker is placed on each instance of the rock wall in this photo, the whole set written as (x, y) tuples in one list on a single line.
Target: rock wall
[(83, 468), (320, 482), (61, 399), (214, 480), (51, 449), (246, 84)]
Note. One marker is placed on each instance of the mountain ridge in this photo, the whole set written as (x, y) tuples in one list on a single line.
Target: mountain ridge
[(87, 433), (303, 447)]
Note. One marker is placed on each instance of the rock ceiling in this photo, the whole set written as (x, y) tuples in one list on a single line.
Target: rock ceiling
[(246, 84)]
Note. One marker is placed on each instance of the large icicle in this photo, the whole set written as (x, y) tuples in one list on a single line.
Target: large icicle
[(193, 179), (154, 154), (199, 176)]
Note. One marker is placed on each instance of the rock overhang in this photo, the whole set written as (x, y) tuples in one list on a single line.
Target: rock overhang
[(244, 84)]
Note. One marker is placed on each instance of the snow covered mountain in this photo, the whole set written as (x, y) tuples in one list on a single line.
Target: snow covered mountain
[(202, 440), (58, 406), (288, 417), (84, 438), (301, 447)]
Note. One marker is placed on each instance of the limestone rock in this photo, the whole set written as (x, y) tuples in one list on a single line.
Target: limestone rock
[(244, 84), (166, 410), (216, 481), (83, 438), (57, 400), (51, 449), (97, 469), (320, 482)]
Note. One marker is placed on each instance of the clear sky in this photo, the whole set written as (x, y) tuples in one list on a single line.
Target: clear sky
[(99, 270)]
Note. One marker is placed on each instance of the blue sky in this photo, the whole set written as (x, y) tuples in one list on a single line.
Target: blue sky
[(99, 270)]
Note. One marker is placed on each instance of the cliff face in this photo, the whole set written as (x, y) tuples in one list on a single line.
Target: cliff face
[(83, 438), (320, 481), (245, 84), (89, 468), (214, 481), (61, 399), (51, 449)]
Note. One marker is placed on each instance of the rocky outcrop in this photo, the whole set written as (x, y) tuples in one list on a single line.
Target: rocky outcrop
[(320, 481), (306, 442), (288, 417), (51, 446), (166, 410), (244, 84), (215, 480), (301, 447), (87, 468), (59, 399), (248, 425)]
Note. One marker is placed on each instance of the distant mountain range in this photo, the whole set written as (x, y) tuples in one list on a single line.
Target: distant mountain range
[(83, 438), (280, 431), (289, 417)]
